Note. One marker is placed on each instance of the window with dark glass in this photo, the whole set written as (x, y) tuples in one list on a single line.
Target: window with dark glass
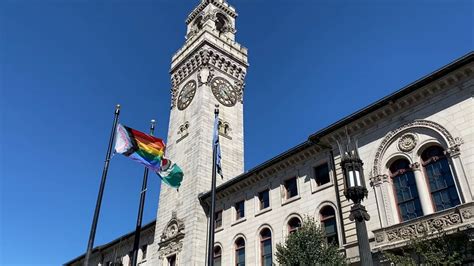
[(440, 179), (321, 174), (266, 247), (329, 225), (264, 199), (291, 189), (239, 210), (218, 219), (172, 260), (293, 224), (217, 256), (406, 192), (240, 252), (143, 248)]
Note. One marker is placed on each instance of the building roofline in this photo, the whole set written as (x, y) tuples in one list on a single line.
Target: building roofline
[(113, 242), (314, 138), (256, 169), (462, 61)]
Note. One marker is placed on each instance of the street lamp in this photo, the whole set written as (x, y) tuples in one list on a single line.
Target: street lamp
[(355, 190)]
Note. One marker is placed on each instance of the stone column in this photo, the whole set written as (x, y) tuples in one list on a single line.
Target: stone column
[(423, 190), (460, 178), (378, 183)]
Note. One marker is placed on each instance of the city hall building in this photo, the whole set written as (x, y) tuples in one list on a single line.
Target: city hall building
[(417, 146)]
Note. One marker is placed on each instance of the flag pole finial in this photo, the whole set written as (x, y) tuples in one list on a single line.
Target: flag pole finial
[(152, 126), (117, 108)]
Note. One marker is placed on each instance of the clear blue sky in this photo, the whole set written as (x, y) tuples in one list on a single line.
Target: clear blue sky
[(64, 64)]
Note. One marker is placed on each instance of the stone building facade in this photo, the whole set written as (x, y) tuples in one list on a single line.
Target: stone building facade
[(417, 146), (119, 251), (419, 139)]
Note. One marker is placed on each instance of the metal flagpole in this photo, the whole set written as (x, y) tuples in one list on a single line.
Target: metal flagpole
[(210, 247), (138, 228), (90, 244)]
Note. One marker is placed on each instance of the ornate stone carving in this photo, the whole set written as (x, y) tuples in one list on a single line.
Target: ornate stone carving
[(174, 96), (407, 142), (205, 75), (446, 221), (171, 238), (378, 180), (415, 166), (174, 227), (379, 237), (467, 214), (454, 150), (171, 248), (452, 142), (208, 57), (240, 85)]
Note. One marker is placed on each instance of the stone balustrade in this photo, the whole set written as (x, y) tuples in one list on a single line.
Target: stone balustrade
[(452, 220)]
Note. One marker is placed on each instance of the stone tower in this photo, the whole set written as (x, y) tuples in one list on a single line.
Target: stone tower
[(209, 69)]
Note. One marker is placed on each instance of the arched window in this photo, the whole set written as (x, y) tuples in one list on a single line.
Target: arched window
[(217, 255), (442, 187), (266, 247), (198, 23), (240, 252), (406, 193), (293, 224), (329, 225), (221, 22)]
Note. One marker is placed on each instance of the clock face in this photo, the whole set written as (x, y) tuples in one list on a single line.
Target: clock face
[(186, 95), (224, 91)]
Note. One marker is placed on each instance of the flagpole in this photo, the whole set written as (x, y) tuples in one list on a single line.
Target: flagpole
[(138, 228), (90, 244), (210, 247)]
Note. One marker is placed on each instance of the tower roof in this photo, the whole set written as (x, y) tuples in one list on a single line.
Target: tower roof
[(221, 4)]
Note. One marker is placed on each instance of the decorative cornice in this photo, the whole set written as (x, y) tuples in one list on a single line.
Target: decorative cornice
[(208, 56), (408, 97)]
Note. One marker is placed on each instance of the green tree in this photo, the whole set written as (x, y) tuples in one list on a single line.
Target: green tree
[(308, 246), (434, 249)]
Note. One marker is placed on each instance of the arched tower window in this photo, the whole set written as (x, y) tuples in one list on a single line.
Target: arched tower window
[(294, 224), (329, 224), (221, 22), (217, 255), (198, 23), (266, 247), (440, 179), (240, 252), (406, 193)]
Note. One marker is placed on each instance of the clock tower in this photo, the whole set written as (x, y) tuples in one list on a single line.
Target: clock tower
[(209, 69)]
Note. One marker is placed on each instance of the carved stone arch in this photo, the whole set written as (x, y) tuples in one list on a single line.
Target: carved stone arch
[(428, 143), (453, 142), (287, 220), (339, 222), (174, 228), (171, 238), (395, 156), (263, 226), (322, 205)]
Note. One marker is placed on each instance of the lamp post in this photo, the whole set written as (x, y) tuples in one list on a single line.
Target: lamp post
[(355, 190)]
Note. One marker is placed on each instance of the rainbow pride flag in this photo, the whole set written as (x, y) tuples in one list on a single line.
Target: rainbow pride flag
[(140, 147)]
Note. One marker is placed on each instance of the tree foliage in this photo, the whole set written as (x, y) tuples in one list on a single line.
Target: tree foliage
[(308, 246), (435, 249)]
